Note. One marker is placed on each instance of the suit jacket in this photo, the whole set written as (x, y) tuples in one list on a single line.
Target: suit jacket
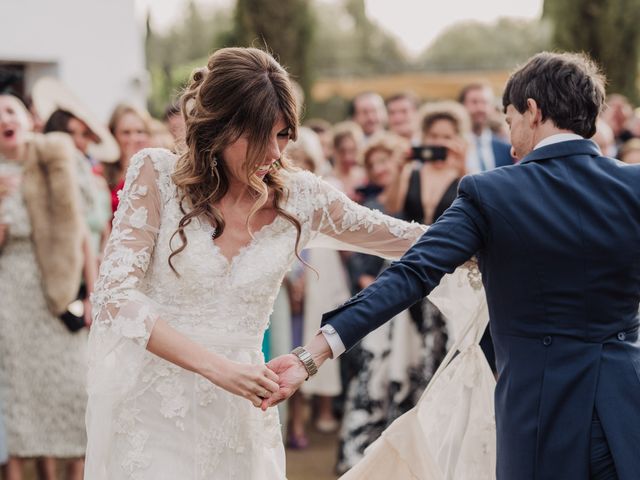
[(557, 239), (501, 152)]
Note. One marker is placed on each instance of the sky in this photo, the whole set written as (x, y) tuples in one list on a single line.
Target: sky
[(415, 22)]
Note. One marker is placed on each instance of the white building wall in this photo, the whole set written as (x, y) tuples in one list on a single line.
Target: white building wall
[(95, 47)]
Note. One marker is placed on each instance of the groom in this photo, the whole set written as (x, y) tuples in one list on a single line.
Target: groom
[(557, 238)]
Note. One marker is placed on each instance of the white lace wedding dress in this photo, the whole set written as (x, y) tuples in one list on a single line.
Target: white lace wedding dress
[(148, 419)]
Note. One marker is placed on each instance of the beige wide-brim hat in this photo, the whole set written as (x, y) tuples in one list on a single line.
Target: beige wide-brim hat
[(49, 95)]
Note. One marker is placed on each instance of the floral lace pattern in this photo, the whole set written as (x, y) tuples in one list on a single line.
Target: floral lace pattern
[(148, 419), (473, 274)]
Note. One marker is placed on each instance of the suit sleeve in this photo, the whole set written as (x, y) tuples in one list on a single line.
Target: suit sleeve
[(459, 233)]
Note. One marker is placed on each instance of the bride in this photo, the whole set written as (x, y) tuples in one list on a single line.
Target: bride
[(199, 247)]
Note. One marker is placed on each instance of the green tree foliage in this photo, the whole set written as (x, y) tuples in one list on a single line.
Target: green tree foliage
[(172, 55), (316, 39), (485, 46), (285, 28), (348, 43), (605, 29)]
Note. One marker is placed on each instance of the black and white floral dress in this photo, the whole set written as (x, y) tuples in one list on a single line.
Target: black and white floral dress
[(398, 359)]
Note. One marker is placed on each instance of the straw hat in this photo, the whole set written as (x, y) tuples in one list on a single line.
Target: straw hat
[(49, 95)]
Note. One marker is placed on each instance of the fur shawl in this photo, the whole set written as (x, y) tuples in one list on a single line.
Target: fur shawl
[(52, 198)]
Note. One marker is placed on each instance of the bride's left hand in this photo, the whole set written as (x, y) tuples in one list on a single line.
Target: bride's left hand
[(292, 375), (253, 382)]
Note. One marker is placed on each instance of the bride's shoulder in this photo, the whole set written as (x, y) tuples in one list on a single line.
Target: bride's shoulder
[(153, 165), (300, 181), (163, 160)]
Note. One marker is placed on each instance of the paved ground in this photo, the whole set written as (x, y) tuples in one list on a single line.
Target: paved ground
[(315, 463)]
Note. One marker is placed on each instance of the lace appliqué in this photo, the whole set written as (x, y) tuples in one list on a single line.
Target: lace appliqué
[(473, 274), (323, 209), (135, 459), (174, 404), (355, 218)]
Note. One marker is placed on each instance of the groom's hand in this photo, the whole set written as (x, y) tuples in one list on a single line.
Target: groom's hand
[(291, 374)]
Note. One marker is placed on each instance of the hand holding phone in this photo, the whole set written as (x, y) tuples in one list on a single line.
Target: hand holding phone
[(429, 153)]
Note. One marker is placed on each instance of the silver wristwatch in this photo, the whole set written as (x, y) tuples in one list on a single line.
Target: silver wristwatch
[(307, 360)]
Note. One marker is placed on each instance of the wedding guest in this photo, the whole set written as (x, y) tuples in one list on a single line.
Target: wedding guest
[(424, 190), (605, 139), (174, 121), (499, 127), (63, 111), (402, 111), (95, 193), (131, 128), (367, 110), (4, 188), (322, 128), (490, 151), (630, 151), (617, 113), (37, 121), (161, 136), (42, 363), (347, 174)]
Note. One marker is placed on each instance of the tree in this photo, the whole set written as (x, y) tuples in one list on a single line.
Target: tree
[(482, 46), (285, 28), (348, 43), (605, 29), (172, 55), (197, 33)]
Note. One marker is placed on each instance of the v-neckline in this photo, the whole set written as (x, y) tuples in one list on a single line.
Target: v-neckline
[(231, 261), (436, 207)]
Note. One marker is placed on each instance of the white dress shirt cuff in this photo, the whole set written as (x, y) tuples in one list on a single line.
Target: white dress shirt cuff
[(334, 340)]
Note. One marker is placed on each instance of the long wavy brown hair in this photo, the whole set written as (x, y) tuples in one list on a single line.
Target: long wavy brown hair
[(241, 91)]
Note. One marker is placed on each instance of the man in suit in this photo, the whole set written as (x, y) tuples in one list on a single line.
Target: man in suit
[(557, 238), (489, 151), (367, 110)]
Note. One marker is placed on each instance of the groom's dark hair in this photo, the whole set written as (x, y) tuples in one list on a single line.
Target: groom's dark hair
[(568, 88)]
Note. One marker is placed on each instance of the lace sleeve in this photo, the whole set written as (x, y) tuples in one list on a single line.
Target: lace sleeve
[(341, 224), (123, 316)]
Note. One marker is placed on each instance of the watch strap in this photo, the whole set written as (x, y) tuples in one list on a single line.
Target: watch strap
[(307, 360)]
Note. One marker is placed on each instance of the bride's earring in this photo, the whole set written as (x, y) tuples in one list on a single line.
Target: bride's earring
[(214, 165)]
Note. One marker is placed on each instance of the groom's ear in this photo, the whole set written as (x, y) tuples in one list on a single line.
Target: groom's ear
[(535, 114)]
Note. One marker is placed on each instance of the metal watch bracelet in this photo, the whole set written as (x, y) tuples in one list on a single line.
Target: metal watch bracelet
[(307, 360)]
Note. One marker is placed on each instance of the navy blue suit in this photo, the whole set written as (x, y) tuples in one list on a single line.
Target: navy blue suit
[(557, 239), (501, 152)]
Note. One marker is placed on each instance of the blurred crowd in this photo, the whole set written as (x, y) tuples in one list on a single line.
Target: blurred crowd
[(60, 174)]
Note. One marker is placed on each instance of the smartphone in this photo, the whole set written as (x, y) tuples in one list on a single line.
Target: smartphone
[(429, 153)]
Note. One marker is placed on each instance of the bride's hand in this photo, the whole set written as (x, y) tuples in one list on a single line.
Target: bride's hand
[(253, 382)]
